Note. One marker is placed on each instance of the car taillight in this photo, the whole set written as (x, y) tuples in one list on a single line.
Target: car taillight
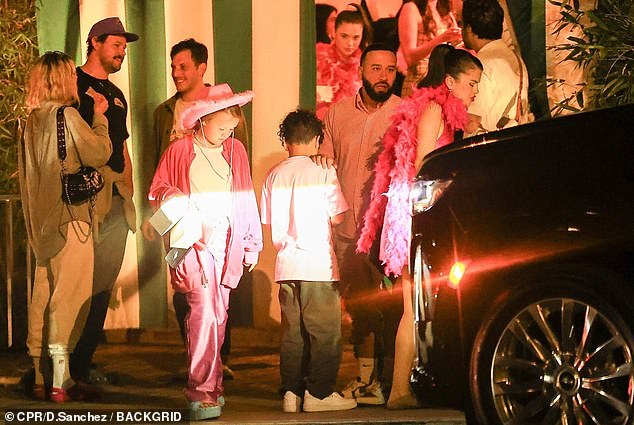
[(456, 273), (425, 193)]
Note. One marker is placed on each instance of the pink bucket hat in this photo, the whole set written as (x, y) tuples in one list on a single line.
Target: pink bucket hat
[(219, 97)]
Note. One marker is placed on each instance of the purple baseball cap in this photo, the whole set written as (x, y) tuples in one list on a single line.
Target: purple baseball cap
[(111, 26)]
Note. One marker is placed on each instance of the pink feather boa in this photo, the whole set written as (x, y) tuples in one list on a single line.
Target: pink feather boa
[(394, 171)]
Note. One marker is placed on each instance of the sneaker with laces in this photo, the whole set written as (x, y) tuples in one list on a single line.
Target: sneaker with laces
[(352, 387), (291, 403), (370, 394), (333, 402)]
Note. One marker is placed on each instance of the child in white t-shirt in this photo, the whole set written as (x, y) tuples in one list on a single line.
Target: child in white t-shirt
[(301, 200)]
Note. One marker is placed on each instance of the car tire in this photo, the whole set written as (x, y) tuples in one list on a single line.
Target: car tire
[(524, 371)]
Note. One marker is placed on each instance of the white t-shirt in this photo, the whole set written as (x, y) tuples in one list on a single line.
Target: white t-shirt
[(499, 85), (210, 185), (298, 199)]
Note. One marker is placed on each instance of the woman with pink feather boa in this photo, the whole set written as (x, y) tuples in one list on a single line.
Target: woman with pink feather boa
[(423, 122)]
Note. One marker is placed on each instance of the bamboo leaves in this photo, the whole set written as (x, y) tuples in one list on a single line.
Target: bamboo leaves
[(605, 50), (18, 49)]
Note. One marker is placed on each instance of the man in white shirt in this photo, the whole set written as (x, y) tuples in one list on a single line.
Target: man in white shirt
[(502, 100)]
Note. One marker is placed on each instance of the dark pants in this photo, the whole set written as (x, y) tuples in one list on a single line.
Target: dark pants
[(109, 251), (372, 310), (310, 354)]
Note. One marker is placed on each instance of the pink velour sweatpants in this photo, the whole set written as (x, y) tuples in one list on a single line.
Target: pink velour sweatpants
[(205, 324)]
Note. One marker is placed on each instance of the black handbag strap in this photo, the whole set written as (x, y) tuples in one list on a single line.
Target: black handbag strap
[(61, 138), (61, 134)]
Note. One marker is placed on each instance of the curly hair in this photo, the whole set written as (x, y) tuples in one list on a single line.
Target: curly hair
[(300, 127)]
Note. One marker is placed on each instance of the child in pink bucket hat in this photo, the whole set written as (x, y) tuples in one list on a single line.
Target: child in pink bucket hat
[(216, 236)]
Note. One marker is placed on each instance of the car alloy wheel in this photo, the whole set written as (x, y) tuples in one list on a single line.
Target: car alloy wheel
[(559, 359)]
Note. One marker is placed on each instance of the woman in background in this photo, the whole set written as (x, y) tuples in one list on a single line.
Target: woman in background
[(423, 25), (368, 28), (325, 16), (338, 62)]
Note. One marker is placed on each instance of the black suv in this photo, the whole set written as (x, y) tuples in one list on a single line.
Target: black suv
[(523, 261)]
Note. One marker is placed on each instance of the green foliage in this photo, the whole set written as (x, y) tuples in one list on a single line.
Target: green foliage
[(18, 50), (605, 52)]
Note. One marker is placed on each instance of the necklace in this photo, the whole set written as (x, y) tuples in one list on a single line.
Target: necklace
[(202, 151)]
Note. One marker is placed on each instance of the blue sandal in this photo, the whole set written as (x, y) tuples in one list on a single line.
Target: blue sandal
[(199, 410)]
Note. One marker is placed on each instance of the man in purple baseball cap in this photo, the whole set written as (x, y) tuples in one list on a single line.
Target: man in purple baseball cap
[(107, 43), (111, 26)]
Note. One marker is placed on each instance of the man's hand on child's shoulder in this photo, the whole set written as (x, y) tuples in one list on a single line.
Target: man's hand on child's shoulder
[(323, 161)]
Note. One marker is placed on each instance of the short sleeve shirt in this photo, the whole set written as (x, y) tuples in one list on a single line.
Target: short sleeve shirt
[(116, 113), (298, 199), (499, 85)]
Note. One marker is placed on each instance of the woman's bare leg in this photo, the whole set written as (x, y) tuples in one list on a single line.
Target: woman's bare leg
[(401, 395)]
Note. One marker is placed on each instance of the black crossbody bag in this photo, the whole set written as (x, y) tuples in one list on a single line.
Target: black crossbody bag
[(83, 185)]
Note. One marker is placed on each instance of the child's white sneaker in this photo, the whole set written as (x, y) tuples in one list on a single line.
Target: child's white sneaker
[(291, 403), (333, 402)]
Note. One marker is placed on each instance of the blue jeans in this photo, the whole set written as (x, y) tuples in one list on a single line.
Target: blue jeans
[(311, 337)]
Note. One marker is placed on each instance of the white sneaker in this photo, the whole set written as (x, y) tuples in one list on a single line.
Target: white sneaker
[(291, 403), (333, 402)]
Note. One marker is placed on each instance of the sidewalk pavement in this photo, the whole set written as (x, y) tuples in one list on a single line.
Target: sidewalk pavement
[(150, 372)]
